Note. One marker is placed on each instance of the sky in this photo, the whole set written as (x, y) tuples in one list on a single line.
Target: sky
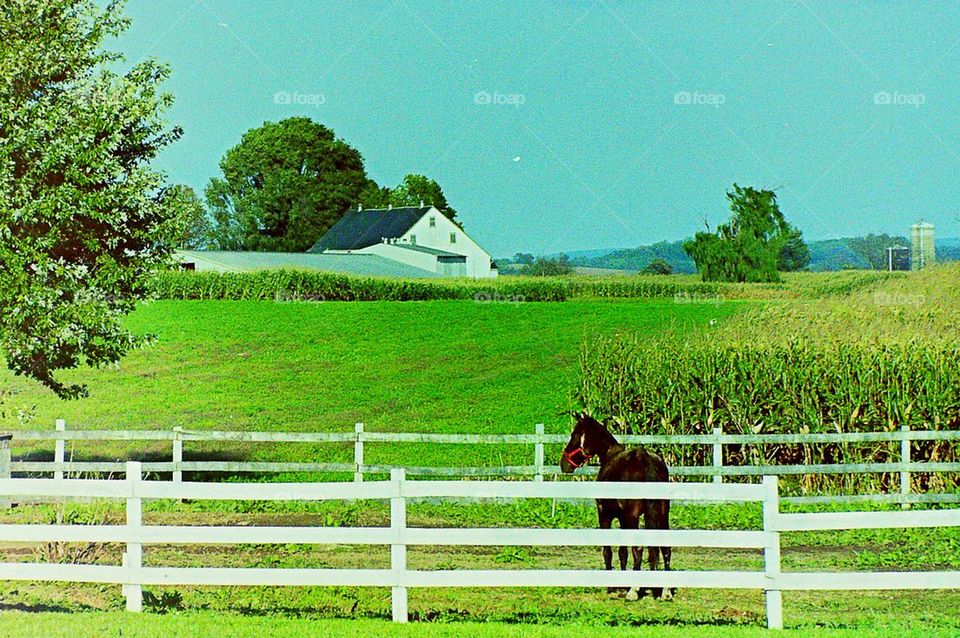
[(564, 125)]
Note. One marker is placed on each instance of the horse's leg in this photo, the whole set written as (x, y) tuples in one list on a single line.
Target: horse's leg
[(652, 521), (664, 514), (604, 520), (622, 551), (631, 521)]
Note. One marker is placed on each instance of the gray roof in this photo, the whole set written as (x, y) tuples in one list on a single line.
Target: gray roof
[(430, 251), (369, 265), (361, 228)]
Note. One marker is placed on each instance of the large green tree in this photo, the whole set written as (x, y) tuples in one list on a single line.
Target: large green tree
[(753, 246), (82, 221), (283, 186), (415, 189), (195, 227)]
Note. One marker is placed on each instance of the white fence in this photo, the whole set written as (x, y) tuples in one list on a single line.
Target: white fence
[(537, 470), (132, 575)]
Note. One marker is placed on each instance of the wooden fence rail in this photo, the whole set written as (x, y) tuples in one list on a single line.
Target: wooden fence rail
[(538, 470), (133, 576)]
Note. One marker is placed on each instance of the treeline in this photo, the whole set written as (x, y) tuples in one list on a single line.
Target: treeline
[(283, 186)]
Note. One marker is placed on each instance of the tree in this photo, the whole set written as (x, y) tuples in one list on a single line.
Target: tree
[(283, 186), (415, 189), (546, 267), (187, 207), (753, 246), (658, 267), (82, 221), (873, 248), (523, 258), (794, 253)]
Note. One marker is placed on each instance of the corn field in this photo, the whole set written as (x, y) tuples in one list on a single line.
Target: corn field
[(882, 355)]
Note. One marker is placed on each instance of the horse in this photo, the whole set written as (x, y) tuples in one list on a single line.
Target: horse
[(618, 463)]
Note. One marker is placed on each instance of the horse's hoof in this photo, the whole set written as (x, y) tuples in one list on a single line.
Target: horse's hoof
[(668, 594), (632, 594)]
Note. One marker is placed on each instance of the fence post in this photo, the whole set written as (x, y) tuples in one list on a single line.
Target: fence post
[(133, 557), (358, 453), (398, 550), (59, 450), (717, 455), (177, 454), (538, 454), (5, 470), (905, 473), (771, 553)]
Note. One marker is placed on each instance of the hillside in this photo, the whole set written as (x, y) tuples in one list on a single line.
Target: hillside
[(825, 254)]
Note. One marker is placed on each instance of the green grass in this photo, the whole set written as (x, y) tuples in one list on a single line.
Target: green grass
[(440, 366), (713, 610), (53, 625)]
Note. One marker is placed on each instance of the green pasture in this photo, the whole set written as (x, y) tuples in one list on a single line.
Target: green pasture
[(437, 366)]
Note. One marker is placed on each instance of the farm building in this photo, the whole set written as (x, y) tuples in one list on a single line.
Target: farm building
[(392, 242), (420, 237)]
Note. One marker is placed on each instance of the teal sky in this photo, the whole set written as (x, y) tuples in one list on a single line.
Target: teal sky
[(849, 110)]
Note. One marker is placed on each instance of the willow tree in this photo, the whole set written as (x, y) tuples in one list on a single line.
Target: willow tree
[(754, 246), (83, 223)]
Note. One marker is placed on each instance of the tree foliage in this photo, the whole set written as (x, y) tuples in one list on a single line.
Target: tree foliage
[(82, 221), (873, 248), (283, 186), (417, 189), (194, 223), (658, 267), (548, 267), (753, 246), (286, 183)]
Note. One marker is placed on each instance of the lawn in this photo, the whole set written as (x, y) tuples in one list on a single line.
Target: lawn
[(55, 625), (438, 366), (571, 607)]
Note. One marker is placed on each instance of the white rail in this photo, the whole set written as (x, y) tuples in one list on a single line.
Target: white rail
[(133, 576), (538, 470)]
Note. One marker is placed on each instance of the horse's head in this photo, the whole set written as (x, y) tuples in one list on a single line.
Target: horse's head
[(585, 441)]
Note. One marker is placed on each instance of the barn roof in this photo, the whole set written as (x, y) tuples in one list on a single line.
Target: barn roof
[(355, 264), (426, 249), (361, 228)]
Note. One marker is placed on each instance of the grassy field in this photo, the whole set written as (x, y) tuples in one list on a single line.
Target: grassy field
[(53, 625), (715, 610), (439, 366)]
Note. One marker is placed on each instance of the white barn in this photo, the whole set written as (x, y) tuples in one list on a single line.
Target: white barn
[(421, 237)]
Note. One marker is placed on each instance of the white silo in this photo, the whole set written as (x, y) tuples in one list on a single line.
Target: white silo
[(922, 250)]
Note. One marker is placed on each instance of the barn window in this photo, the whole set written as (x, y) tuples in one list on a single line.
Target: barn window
[(453, 238), (433, 222)]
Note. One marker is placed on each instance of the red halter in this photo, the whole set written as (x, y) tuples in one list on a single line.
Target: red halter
[(577, 458)]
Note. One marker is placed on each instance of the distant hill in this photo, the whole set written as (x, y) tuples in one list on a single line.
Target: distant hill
[(825, 254), (636, 259)]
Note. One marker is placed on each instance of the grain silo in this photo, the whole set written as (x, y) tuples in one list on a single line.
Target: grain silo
[(922, 251)]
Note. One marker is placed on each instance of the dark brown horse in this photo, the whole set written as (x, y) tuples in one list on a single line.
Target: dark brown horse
[(618, 463)]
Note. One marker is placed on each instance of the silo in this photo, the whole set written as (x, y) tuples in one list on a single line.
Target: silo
[(922, 251)]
